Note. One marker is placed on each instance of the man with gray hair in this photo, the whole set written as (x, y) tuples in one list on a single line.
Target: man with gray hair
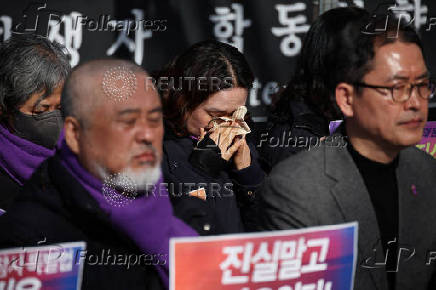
[(103, 186)]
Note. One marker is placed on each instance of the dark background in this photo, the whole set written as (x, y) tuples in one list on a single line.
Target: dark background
[(180, 23)]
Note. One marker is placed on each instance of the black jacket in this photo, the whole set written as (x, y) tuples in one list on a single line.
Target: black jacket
[(281, 139), (9, 189), (55, 208), (230, 206)]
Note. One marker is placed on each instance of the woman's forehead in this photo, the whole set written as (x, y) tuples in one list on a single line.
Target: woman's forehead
[(226, 100)]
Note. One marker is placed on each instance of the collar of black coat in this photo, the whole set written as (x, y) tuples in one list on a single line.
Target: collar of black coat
[(9, 190), (174, 145), (53, 177), (54, 188), (169, 133), (303, 117)]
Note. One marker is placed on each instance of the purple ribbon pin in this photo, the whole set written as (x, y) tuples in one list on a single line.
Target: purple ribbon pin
[(414, 189)]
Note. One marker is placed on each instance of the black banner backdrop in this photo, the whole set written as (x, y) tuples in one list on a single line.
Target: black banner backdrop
[(269, 33)]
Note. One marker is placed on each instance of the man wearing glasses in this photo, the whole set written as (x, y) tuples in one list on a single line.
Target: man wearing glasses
[(380, 179)]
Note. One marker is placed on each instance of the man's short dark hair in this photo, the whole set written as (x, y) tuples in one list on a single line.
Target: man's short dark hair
[(339, 47), (356, 58)]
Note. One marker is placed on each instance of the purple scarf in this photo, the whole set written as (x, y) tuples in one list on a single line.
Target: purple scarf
[(147, 220), (20, 157)]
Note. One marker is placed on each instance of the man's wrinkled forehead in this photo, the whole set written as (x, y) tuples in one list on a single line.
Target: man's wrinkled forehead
[(135, 111), (399, 61)]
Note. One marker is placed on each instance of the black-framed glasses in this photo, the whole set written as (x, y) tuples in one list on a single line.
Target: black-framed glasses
[(402, 93)]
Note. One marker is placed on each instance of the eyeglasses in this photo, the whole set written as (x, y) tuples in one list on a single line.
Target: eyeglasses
[(402, 93)]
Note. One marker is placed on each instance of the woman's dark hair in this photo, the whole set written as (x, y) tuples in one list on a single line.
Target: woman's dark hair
[(339, 47), (204, 69), (29, 64)]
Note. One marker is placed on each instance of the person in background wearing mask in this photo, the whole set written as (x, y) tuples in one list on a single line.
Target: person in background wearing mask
[(104, 184), (32, 74)]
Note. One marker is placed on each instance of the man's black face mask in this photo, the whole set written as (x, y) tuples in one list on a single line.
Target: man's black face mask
[(42, 129)]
